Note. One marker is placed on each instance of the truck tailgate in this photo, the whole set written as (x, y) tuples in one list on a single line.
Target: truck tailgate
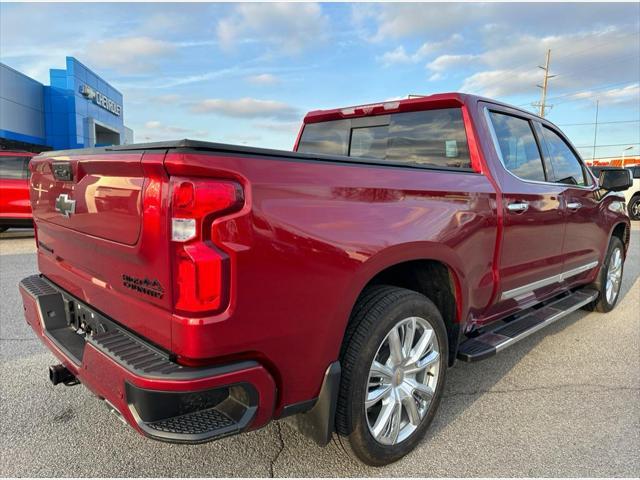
[(102, 234), (93, 195)]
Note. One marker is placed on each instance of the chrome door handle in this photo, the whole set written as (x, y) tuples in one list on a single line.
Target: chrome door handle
[(574, 205), (518, 207)]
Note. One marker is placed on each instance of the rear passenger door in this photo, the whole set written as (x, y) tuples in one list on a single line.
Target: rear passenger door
[(586, 235), (533, 224)]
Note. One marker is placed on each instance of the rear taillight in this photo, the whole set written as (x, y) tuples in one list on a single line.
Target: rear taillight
[(202, 270)]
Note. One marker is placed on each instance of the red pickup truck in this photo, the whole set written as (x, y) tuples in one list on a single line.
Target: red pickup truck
[(202, 289)]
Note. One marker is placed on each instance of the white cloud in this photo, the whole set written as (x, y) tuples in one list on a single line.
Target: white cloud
[(263, 79), (397, 20), (290, 28), (155, 130), (383, 21), (279, 127), (580, 60), (168, 99), (629, 94), (130, 54), (246, 108), (496, 83), (446, 62), (399, 55)]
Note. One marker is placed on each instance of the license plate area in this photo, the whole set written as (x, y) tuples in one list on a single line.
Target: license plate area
[(68, 323), (84, 320)]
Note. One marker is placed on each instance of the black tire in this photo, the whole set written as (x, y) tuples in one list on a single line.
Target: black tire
[(601, 304), (3, 229), (634, 208), (377, 311)]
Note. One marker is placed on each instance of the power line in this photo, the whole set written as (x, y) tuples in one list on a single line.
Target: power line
[(519, 68), (600, 45), (610, 145), (578, 92), (593, 123), (573, 54), (611, 156), (590, 69)]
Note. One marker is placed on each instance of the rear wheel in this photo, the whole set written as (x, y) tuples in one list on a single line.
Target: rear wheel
[(634, 208), (393, 372), (609, 278)]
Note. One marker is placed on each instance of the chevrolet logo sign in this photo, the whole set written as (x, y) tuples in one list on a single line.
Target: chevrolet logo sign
[(65, 206)]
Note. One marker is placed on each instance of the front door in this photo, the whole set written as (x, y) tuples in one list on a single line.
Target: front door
[(585, 237)]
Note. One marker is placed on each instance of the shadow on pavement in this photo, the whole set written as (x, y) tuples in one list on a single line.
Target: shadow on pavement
[(14, 233)]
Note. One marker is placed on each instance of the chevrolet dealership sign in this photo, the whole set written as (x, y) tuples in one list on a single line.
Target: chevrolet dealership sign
[(101, 100)]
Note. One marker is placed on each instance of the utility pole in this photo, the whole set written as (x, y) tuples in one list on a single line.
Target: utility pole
[(595, 132), (545, 82)]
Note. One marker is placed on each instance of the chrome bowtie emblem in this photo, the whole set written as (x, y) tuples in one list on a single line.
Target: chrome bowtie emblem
[(65, 206)]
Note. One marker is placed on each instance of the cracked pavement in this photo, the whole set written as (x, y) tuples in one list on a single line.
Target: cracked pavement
[(563, 402)]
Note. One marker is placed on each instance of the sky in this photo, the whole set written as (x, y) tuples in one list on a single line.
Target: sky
[(247, 73)]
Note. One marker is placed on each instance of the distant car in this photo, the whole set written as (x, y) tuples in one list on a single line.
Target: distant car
[(632, 195), (15, 209)]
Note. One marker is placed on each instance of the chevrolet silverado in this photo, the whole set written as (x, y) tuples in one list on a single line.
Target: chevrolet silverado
[(203, 290)]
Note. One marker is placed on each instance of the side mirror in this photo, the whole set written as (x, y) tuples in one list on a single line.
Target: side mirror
[(615, 179)]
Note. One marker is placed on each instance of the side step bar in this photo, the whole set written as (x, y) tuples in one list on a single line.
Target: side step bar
[(491, 342)]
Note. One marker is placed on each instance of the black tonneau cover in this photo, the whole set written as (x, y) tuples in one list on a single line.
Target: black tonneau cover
[(228, 149)]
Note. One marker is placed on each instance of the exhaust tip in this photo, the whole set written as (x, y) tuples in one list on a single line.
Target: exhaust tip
[(60, 374)]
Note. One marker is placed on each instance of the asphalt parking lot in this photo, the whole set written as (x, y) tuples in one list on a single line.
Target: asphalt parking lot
[(563, 402)]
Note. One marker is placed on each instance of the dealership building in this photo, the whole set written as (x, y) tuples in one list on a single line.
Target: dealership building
[(78, 109)]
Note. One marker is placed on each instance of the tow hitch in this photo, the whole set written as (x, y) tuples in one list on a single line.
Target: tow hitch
[(60, 374)]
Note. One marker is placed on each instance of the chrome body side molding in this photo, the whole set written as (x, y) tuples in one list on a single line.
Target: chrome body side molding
[(530, 287)]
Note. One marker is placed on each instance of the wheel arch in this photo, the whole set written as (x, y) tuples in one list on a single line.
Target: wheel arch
[(434, 277), (622, 230)]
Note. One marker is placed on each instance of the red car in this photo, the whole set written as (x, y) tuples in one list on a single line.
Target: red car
[(203, 289), (15, 209)]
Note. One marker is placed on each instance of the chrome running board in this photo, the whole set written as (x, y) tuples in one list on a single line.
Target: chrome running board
[(506, 334)]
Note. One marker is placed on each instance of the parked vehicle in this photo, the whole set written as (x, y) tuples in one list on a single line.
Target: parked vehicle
[(631, 195), (15, 210), (203, 289)]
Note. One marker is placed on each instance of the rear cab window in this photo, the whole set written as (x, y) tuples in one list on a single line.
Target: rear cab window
[(14, 167), (429, 138)]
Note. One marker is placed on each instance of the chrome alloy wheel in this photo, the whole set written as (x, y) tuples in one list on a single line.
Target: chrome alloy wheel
[(614, 276), (402, 380)]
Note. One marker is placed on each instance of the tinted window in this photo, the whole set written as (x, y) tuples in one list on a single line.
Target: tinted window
[(14, 167), (518, 146), (369, 142), (432, 138), (565, 165), (636, 172), (330, 138), (435, 137)]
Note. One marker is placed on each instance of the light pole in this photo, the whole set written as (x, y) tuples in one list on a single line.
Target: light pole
[(624, 153)]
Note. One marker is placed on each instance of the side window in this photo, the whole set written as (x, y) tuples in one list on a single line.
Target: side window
[(517, 146), (329, 138), (14, 167), (636, 172), (565, 165)]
